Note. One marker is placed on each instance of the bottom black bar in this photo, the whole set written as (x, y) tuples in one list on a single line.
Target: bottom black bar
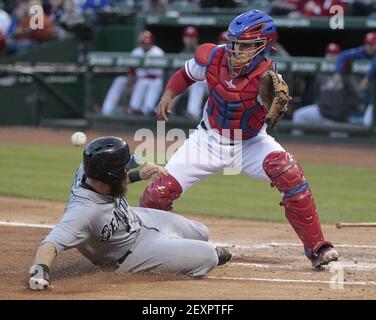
[(180, 309)]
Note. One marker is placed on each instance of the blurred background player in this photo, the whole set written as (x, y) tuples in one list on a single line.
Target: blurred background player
[(197, 91), (147, 83), (21, 37), (343, 64), (344, 60), (114, 94), (315, 113), (222, 37), (5, 23), (312, 8), (307, 8), (190, 39), (332, 51)]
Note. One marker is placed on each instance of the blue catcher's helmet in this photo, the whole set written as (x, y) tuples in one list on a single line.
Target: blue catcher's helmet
[(250, 38)]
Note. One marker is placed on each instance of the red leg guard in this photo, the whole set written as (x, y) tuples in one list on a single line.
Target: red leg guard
[(300, 208), (160, 193)]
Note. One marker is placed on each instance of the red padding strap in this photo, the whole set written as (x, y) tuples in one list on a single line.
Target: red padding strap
[(179, 82)]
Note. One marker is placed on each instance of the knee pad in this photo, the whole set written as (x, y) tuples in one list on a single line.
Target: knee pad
[(160, 193), (284, 172)]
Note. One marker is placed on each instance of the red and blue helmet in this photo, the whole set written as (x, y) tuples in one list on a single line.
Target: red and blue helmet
[(250, 38)]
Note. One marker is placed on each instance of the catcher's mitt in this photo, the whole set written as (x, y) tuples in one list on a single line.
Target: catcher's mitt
[(274, 94)]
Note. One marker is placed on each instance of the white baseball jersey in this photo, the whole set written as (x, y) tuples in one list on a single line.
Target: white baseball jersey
[(5, 21), (153, 52)]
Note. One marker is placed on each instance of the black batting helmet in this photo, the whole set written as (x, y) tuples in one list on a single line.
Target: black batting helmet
[(106, 159)]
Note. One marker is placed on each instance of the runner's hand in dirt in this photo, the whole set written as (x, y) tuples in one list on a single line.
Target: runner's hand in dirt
[(40, 277), (165, 106), (40, 284), (40, 270)]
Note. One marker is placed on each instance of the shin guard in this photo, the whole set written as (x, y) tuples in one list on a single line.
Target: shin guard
[(300, 208)]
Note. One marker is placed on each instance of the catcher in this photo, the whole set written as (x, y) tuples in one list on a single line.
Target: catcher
[(246, 96)]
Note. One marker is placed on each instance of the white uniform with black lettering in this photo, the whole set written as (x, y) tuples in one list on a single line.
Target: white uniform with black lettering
[(107, 231)]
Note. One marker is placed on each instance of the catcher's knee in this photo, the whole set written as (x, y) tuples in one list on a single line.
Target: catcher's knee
[(285, 173), (160, 193)]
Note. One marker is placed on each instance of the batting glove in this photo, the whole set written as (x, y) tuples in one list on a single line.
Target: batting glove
[(40, 277)]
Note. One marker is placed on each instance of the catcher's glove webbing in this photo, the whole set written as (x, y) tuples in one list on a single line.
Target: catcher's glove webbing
[(274, 94)]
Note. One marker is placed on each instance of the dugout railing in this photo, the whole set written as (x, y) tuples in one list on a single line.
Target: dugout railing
[(101, 68), (41, 88), (102, 65)]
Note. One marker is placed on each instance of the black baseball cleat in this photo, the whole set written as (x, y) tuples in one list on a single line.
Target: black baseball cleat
[(224, 255), (325, 255)]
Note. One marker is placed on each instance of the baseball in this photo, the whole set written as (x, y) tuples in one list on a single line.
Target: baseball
[(78, 139)]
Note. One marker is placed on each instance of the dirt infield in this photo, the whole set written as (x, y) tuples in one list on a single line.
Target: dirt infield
[(268, 263), (268, 258)]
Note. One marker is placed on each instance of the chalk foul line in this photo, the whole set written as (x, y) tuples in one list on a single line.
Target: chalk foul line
[(342, 264), (251, 245), (353, 283), (272, 244), (25, 224)]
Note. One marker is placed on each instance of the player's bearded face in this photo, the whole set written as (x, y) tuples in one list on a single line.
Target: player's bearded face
[(119, 189), (241, 52)]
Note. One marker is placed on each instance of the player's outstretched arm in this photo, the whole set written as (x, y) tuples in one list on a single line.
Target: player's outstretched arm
[(146, 172), (178, 83), (151, 169), (165, 105), (194, 70), (40, 270)]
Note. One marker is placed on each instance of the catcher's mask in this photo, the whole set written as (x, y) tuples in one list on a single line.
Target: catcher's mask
[(250, 37), (108, 159)]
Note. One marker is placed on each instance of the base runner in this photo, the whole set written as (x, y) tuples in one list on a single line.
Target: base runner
[(245, 95), (99, 222)]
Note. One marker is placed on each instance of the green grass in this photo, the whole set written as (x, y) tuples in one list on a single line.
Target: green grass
[(342, 192)]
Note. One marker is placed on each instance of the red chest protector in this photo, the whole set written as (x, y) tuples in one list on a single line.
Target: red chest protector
[(232, 102)]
